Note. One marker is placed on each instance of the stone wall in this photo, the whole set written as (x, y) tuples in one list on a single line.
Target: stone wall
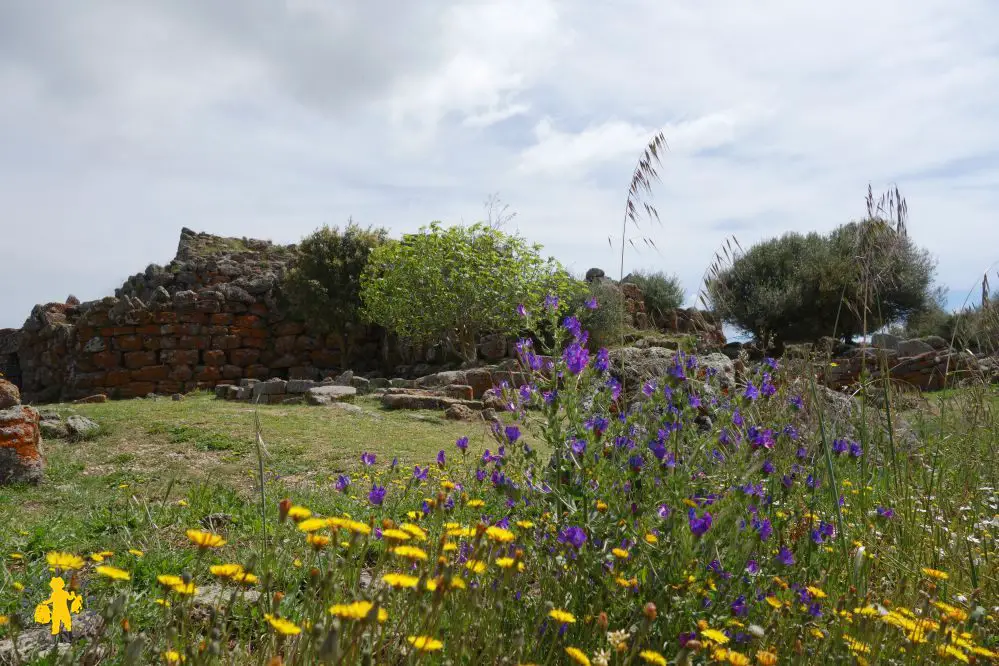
[(10, 367)]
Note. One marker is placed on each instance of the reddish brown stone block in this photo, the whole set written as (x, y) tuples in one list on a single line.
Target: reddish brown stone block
[(138, 359), (140, 388), (257, 371), (284, 344), (127, 343), (151, 373), (247, 321), (207, 373), (181, 373), (117, 377), (218, 330), (243, 357), (107, 359), (165, 317), (221, 319), (325, 358), (193, 318), (213, 357), (258, 309), (148, 329), (179, 356), (289, 328), (169, 387), (256, 343), (123, 330), (152, 342), (188, 329), (232, 372), (193, 341)]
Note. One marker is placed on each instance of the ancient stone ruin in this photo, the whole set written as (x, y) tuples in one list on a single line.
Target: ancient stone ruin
[(20, 439)]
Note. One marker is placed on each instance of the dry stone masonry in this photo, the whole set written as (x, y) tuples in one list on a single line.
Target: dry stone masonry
[(20, 439)]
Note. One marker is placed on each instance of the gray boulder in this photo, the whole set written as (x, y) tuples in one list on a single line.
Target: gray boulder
[(328, 394), (80, 427), (885, 341), (908, 348)]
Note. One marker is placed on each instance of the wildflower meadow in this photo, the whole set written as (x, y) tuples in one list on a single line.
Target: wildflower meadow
[(690, 520)]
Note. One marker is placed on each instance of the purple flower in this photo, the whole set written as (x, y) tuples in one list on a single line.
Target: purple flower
[(801, 453), (551, 302), (342, 482), (512, 433), (752, 393), (785, 556), (440, 458), (420, 474), (815, 610), (576, 357), (615, 387), (571, 324), (602, 360), (739, 607), (772, 362), (764, 528), (648, 388), (578, 446), (368, 458), (737, 418), (797, 402), (839, 446), (855, 450), (698, 526), (752, 567), (664, 511), (768, 467), (462, 444), (521, 310), (480, 475), (377, 495), (573, 536), (884, 512), (767, 388), (591, 303), (636, 462), (695, 400)]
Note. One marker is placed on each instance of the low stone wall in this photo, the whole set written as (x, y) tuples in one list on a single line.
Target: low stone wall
[(928, 371)]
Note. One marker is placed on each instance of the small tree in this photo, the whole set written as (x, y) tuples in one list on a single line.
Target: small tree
[(662, 292), (323, 285), (857, 279), (454, 285)]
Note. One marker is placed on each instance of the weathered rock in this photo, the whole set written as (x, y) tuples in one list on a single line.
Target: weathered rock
[(936, 342), (270, 387), (460, 391), (424, 400), (885, 341), (325, 395), (723, 367), (909, 348), (343, 379), (493, 347), (92, 399), (53, 429), (299, 385), (362, 384), (399, 382), (10, 395), (459, 413), (657, 341), (20, 446), (376, 383), (594, 274), (37, 641), (80, 427), (346, 407)]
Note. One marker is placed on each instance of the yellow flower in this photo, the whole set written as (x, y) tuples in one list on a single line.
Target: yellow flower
[(173, 657), (601, 506), (816, 592), (395, 535), (935, 573), (226, 570), (450, 547), (460, 532), (737, 658), (282, 626), (773, 601), (525, 524), (317, 541), (359, 610), (425, 643), (18, 585), (136, 552), (475, 503), (951, 651), (162, 602), (620, 553), (16, 556), (447, 485), (101, 556), (626, 582), (182, 502), (298, 513), (357, 527), (765, 658), (951, 612), (114, 573), (475, 566), (410, 552), (561, 616), (652, 657), (498, 534), (578, 656), (817, 633), (651, 538), (4, 620), (205, 539), (65, 561), (856, 646), (399, 580), (414, 531), (504, 562), (313, 524), (185, 589), (715, 636), (245, 578)]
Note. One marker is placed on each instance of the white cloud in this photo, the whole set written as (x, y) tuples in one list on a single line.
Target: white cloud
[(122, 123)]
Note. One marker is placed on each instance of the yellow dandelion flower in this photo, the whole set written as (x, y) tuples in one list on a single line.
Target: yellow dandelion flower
[(951, 651), (184, 589), (773, 601), (447, 485), (652, 657), (856, 646), (114, 573), (318, 541), (410, 553), (578, 656), (475, 566), (561, 616), (173, 657), (817, 633), (450, 547), (457, 583), (425, 643), (984, 652), (395, 535), (461, 532), (225, 570), (298, 513), (313, 524), (620, 553), (601, 506), (475, 503), (766, 658), (626, 582), (816, 592), (651, 539), (935, 573), (715, 636), (4, 620), (136, 552), (18, 585), (245, 577), (357, 527), (182, 502), (498, 534), (358, 610), (162, 602), (400, 580), (282, 626), (525, 524), (781, 583), (16, 556), (951, 612), (737, 658), (65, 561), (504, 562), (414, 531), (205, 539)]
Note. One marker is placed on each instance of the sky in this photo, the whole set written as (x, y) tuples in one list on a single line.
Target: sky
[(121, 123)]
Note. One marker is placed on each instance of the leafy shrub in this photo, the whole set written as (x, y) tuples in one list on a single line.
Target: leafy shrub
[(662, 292), (323, 285), (454, 285), (605, 322), (798, 287)]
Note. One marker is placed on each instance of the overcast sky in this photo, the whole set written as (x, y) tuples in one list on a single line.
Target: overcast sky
[(120, 123)]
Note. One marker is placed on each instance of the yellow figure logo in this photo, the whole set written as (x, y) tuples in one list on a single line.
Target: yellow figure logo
[(56, 609)]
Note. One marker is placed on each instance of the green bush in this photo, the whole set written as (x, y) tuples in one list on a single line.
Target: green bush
[(323, 286), (862, 276), (662, 292), (605, 323), (453, 285)]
